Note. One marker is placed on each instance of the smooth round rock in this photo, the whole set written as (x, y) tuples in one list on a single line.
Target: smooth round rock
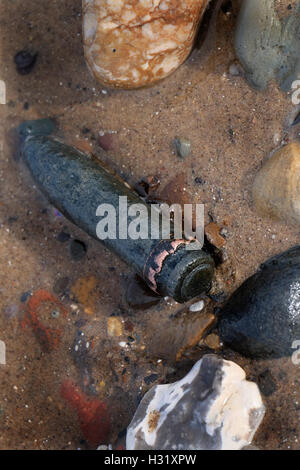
[(262, 318), (134, 44)]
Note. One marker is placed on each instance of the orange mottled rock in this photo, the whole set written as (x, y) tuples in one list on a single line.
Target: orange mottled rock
[(129, 44)]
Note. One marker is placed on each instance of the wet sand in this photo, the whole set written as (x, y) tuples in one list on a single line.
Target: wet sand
[(232, 129)]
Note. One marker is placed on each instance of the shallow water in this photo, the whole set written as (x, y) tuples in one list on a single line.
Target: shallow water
[(69, 352)]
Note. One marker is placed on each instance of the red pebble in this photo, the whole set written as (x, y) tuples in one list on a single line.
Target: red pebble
[(49, 338), (93, 416), (106, 141)]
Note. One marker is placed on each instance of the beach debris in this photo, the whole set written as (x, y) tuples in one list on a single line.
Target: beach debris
[(78, 185), (134, 44), (213, 407), (106, 141), (276, 189), (185, 330), (78, 250), (262, 318), (197, 306)]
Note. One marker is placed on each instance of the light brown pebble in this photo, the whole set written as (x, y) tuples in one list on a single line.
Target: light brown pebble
[(213, 341), (276, 189), (114, 326), (134, 44)]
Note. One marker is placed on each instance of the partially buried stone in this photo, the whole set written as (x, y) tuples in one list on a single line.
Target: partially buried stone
[(61, 285), (106, 141), (212, 408), (25, 61), (276, 189), (183, 147), (78, 250), (268, 46), (262, 318)]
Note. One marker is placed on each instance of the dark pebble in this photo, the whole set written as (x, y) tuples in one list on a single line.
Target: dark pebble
[(266, 383), (63, 237), (61, 285), (80, 323), (25, 61), (150, 379), (296, 120), (78, 250), (199, 180), (25, 296)]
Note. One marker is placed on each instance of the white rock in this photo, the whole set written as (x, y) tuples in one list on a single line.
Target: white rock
[(2, 353), (197, 306), (212, 408)]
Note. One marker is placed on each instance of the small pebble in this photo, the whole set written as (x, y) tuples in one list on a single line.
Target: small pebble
[(61, 285), (267, 383), (198, 306), (55, 314), (25, 61), (78, 250), (199, 180), (183, 147), (235, 70), (25, 296), (150, 379), (106, 141), (213, 341)]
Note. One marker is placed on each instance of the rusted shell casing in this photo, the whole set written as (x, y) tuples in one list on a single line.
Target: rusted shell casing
[(76, 185)]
